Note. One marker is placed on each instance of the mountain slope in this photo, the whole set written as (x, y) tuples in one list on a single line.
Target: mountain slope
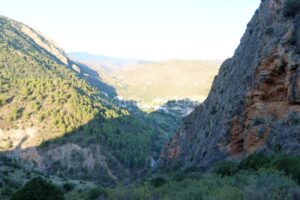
[(57, 123), (152, 84), (253, 105), (99, 62), (156, 83)]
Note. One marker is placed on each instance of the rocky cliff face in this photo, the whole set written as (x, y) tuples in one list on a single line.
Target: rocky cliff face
[(254, 103)]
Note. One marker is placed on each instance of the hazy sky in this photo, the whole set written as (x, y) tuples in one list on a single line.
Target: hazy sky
[(139, 29)]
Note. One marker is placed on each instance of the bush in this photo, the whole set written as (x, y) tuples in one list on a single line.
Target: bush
[(192, 168), (7, 191), (270, 31), (96, 193), (38, 189), (68, 187), (269, 185), (291, 8), (287, 164), (179, 177), (11, 183), (254, 162), (158, 181), (226, 168)]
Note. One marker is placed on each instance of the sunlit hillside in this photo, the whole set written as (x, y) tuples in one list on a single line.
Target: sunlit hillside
[(176, 79), (152, 84)]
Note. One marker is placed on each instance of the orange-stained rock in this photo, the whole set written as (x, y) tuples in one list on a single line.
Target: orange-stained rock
[(254, 102)]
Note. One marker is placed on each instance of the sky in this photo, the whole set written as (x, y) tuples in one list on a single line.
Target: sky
[(139, 29)]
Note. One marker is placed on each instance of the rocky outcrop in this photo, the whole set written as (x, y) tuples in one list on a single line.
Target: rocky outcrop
[(254, 103), (72, 160), (68, 160)]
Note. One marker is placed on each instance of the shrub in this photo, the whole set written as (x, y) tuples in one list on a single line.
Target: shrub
[(158, 181), (11, 183), (269, 185), (7, 191), (292, 41), (2, 101), (179, 177), (254, 162), (38, 189), (226, 168), (192, 168), (269, 31), (213, 110), (68, 187), (96, 193), (287, 164), (1, 184), (291, 8)]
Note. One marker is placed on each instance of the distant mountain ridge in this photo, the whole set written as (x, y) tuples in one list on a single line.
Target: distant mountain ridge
[(100, 61)]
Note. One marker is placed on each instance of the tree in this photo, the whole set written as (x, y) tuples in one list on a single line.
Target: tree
[(38, 189)]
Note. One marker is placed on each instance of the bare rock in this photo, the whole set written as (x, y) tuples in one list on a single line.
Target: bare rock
[(254, 103)]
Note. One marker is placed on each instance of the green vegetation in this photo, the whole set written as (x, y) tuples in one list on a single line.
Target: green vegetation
[(264, 184), (40, 88), (129, 139), (158, 181), (38, 91), (19, 182), (226, 168), (95, 193), (68, 187), (291, 8), (288, 165), (254, 162), (256, 177), (38, 189)]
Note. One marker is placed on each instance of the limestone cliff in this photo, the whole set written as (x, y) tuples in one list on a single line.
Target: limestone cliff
[(254, 103)]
